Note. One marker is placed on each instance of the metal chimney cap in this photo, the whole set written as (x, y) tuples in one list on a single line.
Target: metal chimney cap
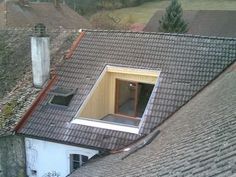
[(40, 30)]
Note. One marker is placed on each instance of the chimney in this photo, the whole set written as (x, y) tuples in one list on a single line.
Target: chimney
[(57, 3), (24, 2), (40, 55)]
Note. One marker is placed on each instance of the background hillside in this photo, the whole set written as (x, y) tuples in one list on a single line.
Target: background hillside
[(143, 12), (219, 23)]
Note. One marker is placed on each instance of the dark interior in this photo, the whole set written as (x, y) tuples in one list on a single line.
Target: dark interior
[(132, 98)]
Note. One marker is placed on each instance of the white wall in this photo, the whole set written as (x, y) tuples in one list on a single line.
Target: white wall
[(46, 157)]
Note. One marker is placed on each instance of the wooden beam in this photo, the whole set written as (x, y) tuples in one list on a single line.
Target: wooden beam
[(133, 71)]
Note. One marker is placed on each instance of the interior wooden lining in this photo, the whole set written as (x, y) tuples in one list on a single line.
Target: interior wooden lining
[(101, 100)]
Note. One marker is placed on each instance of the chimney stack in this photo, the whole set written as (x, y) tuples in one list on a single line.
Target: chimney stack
[(57, 3), (24, 2), (40, 55)]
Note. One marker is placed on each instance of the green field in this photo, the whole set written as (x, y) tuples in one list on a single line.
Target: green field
[(142, 13)]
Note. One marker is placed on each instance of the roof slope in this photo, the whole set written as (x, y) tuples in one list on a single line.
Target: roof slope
[(13, 59), (202, 22), (15, 70), (43, 12), (198, 140), (187, 63)]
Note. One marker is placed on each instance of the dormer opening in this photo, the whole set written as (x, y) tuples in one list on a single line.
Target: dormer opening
[(118, 99)]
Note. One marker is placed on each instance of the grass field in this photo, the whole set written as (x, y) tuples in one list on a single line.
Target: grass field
[(144, 12)]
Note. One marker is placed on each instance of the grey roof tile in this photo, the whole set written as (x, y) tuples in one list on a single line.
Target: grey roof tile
[(187, 64), (198, 140)]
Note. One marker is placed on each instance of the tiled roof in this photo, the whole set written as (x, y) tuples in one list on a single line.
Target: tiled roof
[(187, 63), (198, 140), (43, 12), (202, 22), (16, 87)]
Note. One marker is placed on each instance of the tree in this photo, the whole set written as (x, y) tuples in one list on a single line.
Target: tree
[(172, 21)]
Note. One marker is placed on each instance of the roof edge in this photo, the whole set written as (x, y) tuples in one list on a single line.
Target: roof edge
[(64, 142), (158, 33), (33, 106), (75, 45)]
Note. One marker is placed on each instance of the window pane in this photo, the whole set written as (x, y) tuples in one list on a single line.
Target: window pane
[(61, 100), (76, 157), (76, 165), (126, 97), (77, 160), (144, 93), (84, 159), (63, 91)]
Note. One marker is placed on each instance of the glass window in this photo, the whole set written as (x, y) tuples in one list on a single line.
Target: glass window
[(61, 100), (132, 97), (76, 161), (62, 96)]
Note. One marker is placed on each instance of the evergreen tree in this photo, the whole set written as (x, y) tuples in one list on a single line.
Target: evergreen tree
[(172, 21)]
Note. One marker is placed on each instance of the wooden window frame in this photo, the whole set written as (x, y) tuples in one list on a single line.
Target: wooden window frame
[(117, 91)]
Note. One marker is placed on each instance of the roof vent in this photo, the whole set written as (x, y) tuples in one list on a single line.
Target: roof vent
[(40, 30), (24, 2), (182, 82), (57, 3), (52, 125), (87, 77)]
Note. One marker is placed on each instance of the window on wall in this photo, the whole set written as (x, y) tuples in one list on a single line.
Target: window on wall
[(62, 96), (76, 161)]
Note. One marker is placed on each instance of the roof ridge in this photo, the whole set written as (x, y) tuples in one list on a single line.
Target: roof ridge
[(159, 33)]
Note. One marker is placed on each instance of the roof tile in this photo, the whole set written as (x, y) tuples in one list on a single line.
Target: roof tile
[(187, 64)]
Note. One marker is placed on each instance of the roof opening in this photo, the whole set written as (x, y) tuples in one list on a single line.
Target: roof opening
[(61, 100), (118, 99), (62, 96)]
